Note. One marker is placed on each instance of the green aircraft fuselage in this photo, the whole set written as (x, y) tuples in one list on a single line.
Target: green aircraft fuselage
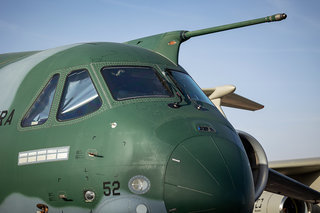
[(107, 127)]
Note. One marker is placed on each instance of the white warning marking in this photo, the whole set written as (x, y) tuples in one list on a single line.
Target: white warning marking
[(42, 152), (41, 158), (22, 155), (32, 153), (23, 161), (62, 156), (32, 159), (50, 151), (43, 155), (175, 160), (52, 157)]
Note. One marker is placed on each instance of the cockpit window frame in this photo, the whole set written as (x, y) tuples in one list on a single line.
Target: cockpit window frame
[(178, 85), (63, 73), (162, 80), (55, 77), (62, 94)]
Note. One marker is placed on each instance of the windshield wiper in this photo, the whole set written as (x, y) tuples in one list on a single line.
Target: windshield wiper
[(178, 93), (185, 94), (176, 104)]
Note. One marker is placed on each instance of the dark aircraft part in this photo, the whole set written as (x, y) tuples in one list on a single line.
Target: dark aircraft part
[(270, 202), (44, 208), (91, 154), (258, 162), (176, 104), (64, 197)]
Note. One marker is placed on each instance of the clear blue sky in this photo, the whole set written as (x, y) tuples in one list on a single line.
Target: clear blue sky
[(276, 64)]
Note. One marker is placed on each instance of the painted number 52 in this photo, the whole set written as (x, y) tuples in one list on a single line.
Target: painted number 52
[(111, 188)]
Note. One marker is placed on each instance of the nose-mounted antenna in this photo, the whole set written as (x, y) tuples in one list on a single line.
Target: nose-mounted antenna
[(168, 44)]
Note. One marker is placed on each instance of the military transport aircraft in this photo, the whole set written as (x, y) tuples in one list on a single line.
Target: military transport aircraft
[(108, 127)]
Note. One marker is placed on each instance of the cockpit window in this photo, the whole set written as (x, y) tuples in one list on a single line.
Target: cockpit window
[(134, 82), (79, 96), (188, 86), (39, 112)]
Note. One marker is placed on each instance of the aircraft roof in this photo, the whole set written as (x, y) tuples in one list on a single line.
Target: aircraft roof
[(9, 58), (42, 64), (94, 52)]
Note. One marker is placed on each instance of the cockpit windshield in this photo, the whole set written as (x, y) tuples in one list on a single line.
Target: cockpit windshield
[(188, 86), (134, 82)]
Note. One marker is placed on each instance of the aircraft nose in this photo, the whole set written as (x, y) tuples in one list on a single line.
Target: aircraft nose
[(208, 174)]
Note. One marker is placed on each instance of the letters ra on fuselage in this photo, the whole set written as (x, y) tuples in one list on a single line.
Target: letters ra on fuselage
[(6, 117)]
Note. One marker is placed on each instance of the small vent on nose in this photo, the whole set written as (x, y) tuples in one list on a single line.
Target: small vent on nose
[(206, 129)]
